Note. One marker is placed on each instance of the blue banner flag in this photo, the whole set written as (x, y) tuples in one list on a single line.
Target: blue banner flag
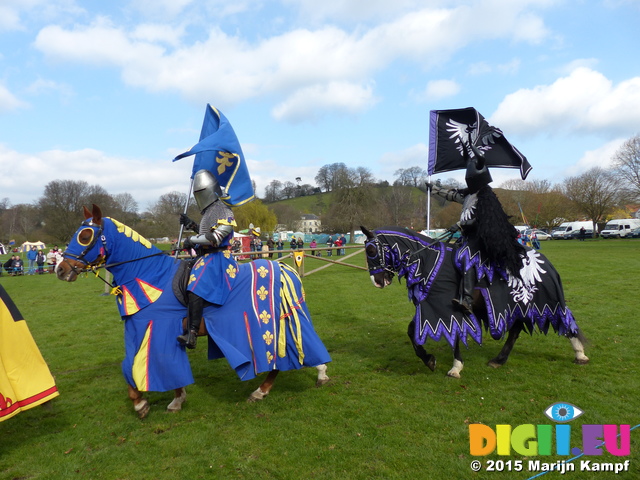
[(450, 131), (219, 152)]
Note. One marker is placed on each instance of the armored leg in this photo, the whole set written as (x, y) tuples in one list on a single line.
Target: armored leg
[(195, 309), (467, 286)]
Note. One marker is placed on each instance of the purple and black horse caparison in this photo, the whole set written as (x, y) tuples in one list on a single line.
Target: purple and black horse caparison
[(503, 303)]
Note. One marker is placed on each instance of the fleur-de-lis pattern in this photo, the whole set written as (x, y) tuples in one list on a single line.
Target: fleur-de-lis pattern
[(263, 272), (265, 316), (268, 337), (232, 271), (262, 292)]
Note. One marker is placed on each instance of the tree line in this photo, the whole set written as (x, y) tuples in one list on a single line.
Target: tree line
[(345, 198)]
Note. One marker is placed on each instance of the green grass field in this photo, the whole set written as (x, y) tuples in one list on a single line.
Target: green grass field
[(383, 415)]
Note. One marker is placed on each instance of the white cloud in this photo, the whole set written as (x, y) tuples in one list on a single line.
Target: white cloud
[(390, 162), (146, 180), (232, 69), (438, 89), (160, 8), (42, 86), (583, 101), (8, 101), (312, 102), (601, 157)]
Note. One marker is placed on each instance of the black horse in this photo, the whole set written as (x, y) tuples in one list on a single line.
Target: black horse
[(502, 302)]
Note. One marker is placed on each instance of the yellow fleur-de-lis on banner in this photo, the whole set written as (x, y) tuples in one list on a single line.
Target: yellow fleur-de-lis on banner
[(263, 272), (262, 293), (269, 357), (265, 317), (268, 337), (225, 161)]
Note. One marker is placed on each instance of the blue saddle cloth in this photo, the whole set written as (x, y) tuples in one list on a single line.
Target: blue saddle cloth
[(264, 324)]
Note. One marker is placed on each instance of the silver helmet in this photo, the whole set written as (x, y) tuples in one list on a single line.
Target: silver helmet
[(206, 189)]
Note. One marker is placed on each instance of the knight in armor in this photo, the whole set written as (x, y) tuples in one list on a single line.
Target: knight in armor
[(485, 228), (215, 235)]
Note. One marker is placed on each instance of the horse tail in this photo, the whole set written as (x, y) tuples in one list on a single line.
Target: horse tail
[(582, 337)]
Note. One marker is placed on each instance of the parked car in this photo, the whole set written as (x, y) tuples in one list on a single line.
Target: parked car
[(575, 235), (635, 233), (539, 233)]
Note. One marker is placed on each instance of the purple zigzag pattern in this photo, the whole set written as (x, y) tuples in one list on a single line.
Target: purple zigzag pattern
[(464, 260), (560, 318), (423, 330)]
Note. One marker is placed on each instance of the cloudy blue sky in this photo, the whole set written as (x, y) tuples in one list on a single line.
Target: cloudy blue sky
[(109, 92)]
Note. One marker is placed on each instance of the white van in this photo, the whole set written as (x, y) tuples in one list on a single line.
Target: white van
[(567, 230), (619, 228)]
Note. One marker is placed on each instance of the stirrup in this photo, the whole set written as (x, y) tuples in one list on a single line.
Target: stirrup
[(465, 304), (189, 340)]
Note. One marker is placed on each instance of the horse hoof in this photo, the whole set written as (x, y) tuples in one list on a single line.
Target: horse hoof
[(322, 381), (494, 364), (431, 364), (453, 374), (256, 396), (581, 361), (176, 403), (142, 408)]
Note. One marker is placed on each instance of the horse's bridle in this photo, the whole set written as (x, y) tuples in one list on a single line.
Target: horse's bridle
[(378, 258), (97, 235)]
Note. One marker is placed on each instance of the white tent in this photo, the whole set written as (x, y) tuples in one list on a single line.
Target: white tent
[(26, 246), (2, 249)]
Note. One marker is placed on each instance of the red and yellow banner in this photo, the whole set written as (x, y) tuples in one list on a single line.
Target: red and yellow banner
[(25, 379)]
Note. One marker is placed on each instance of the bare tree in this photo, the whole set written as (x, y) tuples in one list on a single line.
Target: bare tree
[(595, 193), (273, 191), (410, 177), (289, 189), (164, 215), (626, 166), (61, 206)]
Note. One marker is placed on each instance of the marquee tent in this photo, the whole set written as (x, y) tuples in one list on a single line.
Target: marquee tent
[(26, 246)]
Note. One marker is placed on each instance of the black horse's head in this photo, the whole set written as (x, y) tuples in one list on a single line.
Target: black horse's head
[(85, 248), (381, 275)]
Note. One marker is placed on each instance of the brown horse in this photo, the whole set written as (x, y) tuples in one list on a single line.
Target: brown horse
[(264, 326)]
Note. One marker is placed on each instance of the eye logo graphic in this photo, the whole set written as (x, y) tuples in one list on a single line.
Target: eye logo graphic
[(562, 412)]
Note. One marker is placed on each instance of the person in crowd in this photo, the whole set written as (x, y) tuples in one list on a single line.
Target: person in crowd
[(17, 265), (279, 247), (300, 243), (343, 241), (270, 244), (40, 259), (8, 265), (330, 245), (51, 261), (313, 246), (32, 253), (293, 244), (338, 243)]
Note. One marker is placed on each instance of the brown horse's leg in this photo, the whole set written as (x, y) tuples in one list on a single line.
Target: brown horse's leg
[(428, 359), (140, 404), (178, 400), (264, 389)]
